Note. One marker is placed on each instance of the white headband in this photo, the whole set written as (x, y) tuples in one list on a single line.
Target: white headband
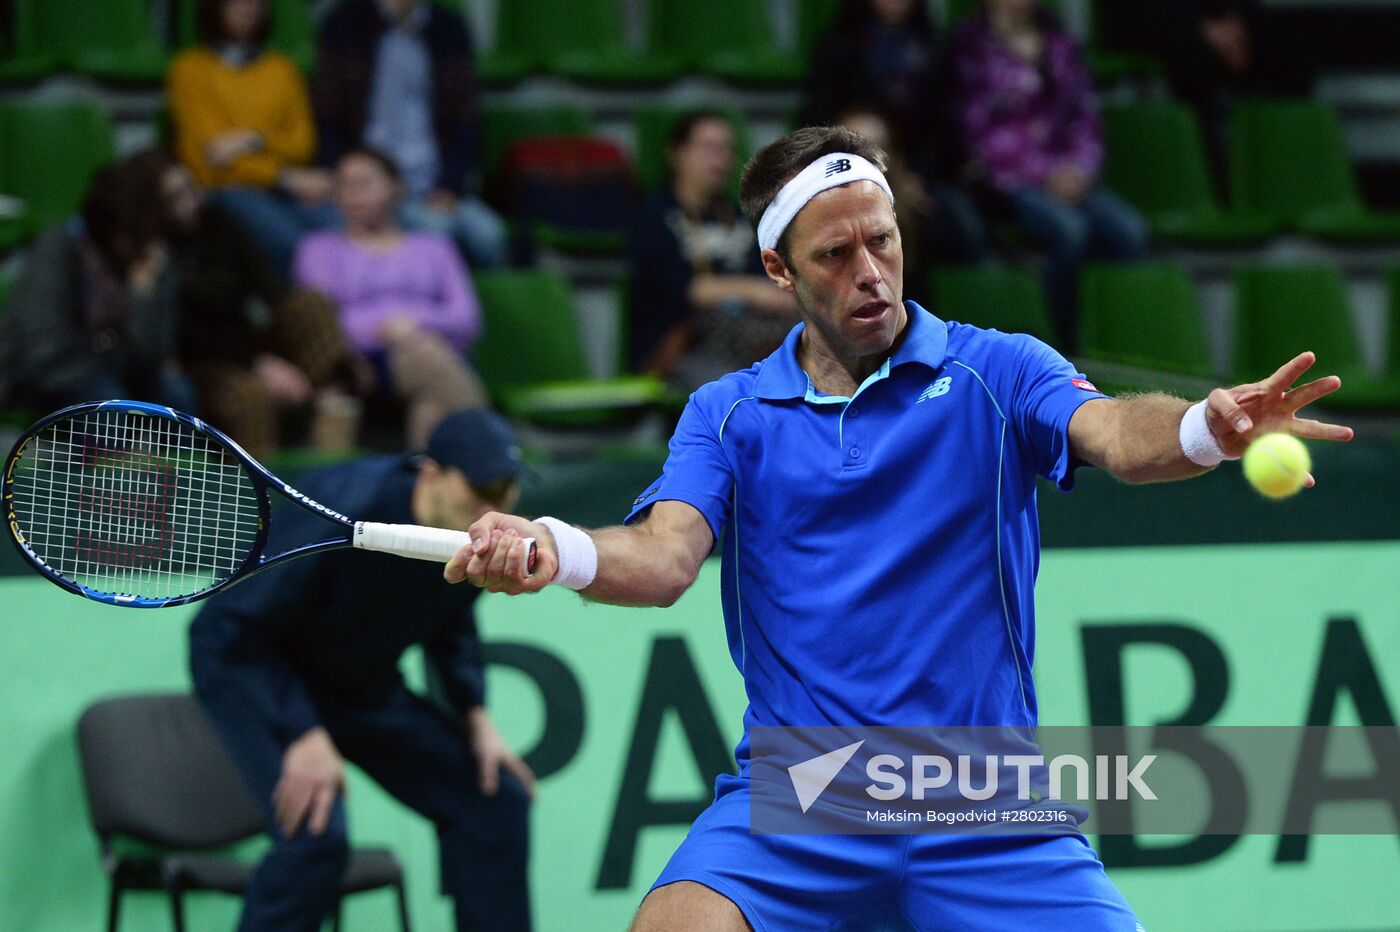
[(829, 171)]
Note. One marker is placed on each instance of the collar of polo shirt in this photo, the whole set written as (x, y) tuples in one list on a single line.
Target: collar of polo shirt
[(926, 342)]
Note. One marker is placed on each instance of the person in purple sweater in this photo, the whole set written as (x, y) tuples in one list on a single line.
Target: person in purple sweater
[(1029, 119), (406, 302)]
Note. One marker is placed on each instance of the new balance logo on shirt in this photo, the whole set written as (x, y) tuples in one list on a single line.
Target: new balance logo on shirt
[(939, 387)]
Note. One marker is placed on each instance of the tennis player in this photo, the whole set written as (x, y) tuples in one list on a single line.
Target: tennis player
[(299, 670), (876, 478)]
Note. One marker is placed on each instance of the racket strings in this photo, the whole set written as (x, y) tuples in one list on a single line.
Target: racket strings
[(134, 505)]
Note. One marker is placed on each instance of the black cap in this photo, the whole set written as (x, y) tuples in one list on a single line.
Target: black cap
[(479, 443)]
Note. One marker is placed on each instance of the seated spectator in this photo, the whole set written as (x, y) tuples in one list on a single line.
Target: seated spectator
[(701, 303), (242, 123), (93, 315), (1214, 52), (887, 58), (405, 301), (254, 348), (1030, 123), (398, 76), (918, 209)]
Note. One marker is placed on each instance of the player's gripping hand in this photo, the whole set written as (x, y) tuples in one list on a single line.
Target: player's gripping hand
[(1236, 416), (497, 556)]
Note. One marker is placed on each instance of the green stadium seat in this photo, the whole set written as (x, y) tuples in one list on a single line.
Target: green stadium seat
[(1392, 334), (1282, 310), (1000, 297), (815, 19), (1157, 160), (112, 40), (1288, 158), (50, 153), (585, 40), (22, 58), (654, 125), (532, 360), (1143, 315), (293, 29), (503, 126), (14, 220), (733, 41)]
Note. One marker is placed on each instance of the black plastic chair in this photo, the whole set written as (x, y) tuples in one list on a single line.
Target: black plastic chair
[(155, 772)]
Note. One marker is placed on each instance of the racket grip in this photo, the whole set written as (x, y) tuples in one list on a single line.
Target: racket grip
[(420, 543), (410, 540)]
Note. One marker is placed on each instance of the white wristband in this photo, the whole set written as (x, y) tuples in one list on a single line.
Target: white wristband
[(1197, 442), (578, 555)]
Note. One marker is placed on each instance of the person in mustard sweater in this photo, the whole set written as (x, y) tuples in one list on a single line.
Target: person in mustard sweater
[(242, 124)]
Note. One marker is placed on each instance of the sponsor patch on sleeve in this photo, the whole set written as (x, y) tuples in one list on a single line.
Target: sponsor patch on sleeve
[(1084, 384)]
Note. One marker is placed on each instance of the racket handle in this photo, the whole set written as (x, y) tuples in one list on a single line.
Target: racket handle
[(418, 543), (410, 540)]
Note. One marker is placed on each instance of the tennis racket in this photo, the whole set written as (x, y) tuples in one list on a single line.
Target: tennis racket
[(138, 505)]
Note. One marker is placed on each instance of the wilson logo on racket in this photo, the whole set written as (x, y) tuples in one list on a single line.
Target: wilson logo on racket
[(138, 505)]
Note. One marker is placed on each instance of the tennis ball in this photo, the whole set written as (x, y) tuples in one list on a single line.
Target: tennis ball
[(1277, 465)]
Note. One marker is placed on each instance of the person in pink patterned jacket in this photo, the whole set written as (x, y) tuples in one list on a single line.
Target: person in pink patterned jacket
[(1029, 119)]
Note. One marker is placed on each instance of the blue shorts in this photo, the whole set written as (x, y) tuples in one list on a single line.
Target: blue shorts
[(854, 882)]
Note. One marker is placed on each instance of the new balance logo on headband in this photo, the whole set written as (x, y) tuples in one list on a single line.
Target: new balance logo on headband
[(831, 170)]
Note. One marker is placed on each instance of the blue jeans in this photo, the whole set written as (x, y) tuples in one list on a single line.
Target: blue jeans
[(1103, 225), (274, 220), (480, 233)]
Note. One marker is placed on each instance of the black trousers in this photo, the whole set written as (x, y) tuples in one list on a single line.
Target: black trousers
[(413, 750)]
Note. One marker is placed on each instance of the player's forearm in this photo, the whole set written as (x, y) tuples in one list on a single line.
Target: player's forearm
[(642, 566), (1146, 444)]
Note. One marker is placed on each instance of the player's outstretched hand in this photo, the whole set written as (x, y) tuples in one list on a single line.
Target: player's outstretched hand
[(497, 556), (1237, 416)]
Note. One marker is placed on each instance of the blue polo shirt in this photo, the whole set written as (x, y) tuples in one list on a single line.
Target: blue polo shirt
[(880, 561)]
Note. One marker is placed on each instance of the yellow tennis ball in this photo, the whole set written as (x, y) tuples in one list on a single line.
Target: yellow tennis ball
[(1277, 465)]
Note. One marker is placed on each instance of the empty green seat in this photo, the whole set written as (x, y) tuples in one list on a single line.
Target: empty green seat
[(532, 360), (1157, 160), (585, 40), (112, 40), (1288, 158), (293, 29), (1281, 311), (1000, 297), (50, 153), (1143, 315), (733, 41), (654, 125)]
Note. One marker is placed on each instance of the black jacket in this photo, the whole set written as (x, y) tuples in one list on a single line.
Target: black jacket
[(344, 78), (331, 628)]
